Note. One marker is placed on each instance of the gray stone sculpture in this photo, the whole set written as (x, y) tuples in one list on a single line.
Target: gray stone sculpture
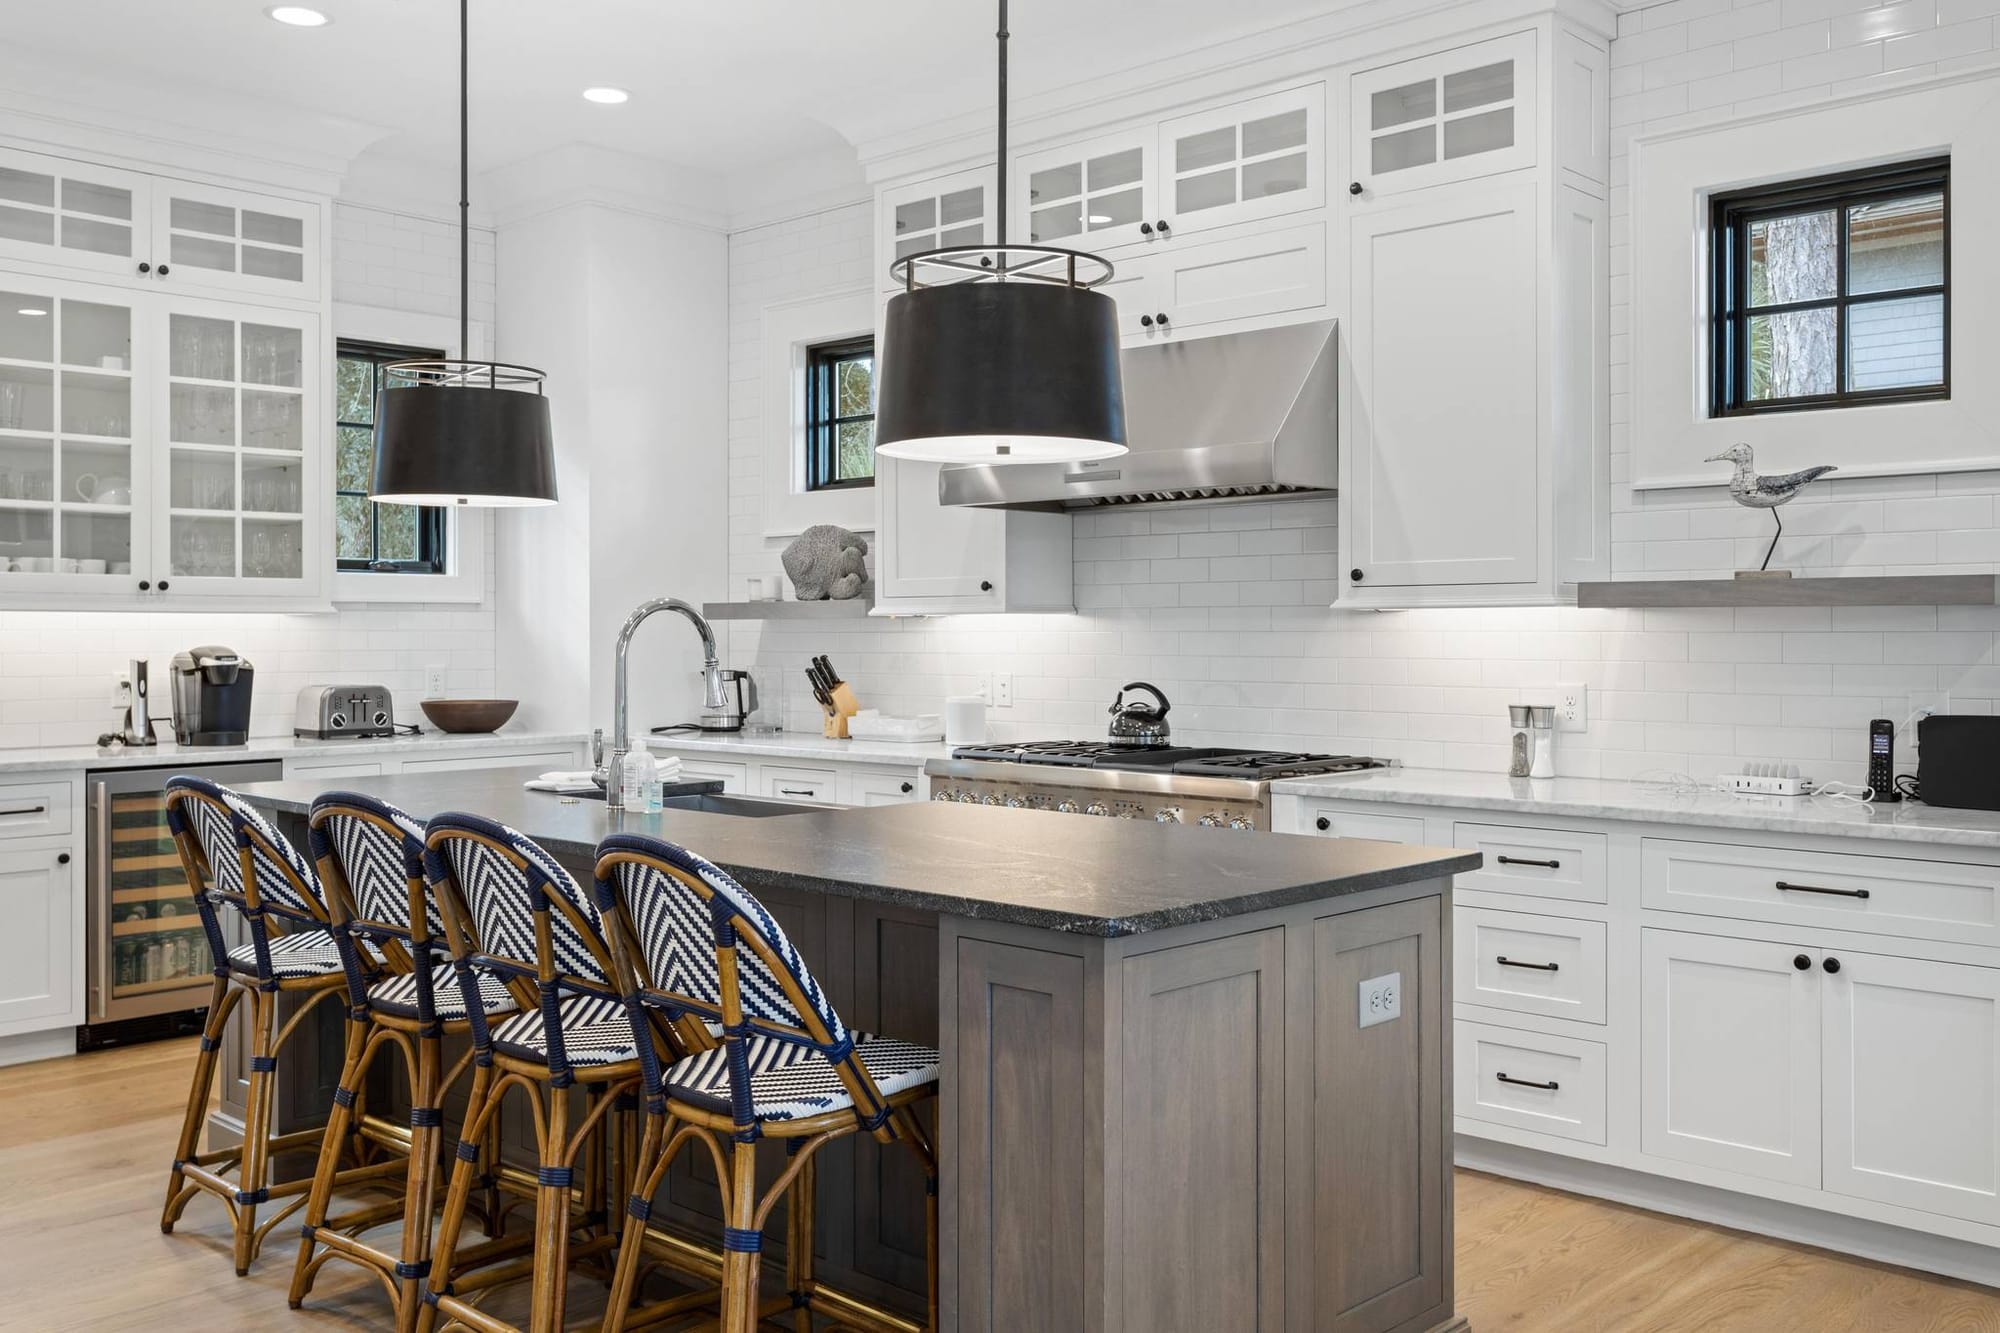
[(826, 563)]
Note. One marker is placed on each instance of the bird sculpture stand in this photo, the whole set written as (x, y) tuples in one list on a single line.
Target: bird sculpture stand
[(1755, 492)]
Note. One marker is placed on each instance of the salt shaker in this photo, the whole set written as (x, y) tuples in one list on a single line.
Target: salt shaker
[(1542, 735), (1520, 744)]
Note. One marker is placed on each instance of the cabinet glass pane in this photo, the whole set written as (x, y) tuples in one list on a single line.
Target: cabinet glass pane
[(194, 215), (199, 252), (1194, 193), (96, 404), (96, 543), (1114, 210), (1484, 86), (27, 187), (962, 206), (915, 245), (273, 355), (28, 540), (1400, 106), (273, 420), (96, 474), (972, 235), (1403, 149), (96, 335), (273, 485), (285, 265), (1895, 344), (104, 238), (1050, 224), (202, 349), (156, 937), (1483, 133), (1275, 175), (273, 229), (202, 480), (917, 215), (1896, 244), (202, 414), (1209, 149), (1063, 182), (273, 549), (105, 201), (27, 399), (1274, 134), (27, 333), (1114, 169), (19, 224), (27, 468), (203, 547)]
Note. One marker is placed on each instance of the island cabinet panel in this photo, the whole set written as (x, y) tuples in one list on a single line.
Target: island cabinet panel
[(895, 993)]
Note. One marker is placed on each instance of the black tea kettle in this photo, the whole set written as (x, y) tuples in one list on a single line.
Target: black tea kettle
[(1139, 722)]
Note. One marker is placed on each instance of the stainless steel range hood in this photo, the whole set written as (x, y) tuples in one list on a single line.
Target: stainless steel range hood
[(1243, 414)]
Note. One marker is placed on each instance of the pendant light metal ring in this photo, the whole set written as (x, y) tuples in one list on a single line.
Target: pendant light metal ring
[(1005, 262), (449, 373)]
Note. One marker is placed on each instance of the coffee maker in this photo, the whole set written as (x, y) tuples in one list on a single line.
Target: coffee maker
[(211, 696)]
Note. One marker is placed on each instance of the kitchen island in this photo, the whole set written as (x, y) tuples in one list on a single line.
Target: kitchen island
[(1192, 1079)]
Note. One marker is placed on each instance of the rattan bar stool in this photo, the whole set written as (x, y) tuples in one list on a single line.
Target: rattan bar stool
[(691, 945), (236, 861), (371, 865), (513, 912)]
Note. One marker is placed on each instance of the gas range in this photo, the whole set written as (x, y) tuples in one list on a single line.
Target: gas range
[(1212, 787)]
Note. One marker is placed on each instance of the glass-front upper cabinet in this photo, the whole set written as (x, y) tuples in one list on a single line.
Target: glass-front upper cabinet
[(56, 211), (1260, 157), (239, 420), (235, 242), (1087, 196), (932, 215), (1452, 116), (69, 419)]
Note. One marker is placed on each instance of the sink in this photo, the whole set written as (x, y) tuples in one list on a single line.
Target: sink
[(719, 803)]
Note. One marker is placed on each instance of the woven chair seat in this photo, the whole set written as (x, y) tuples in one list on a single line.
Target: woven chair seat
[(594, 1032), (397, 995), (791, 1082), (301, 954)]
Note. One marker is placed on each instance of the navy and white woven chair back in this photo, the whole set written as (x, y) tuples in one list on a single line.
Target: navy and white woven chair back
[(500, 895), (215, 816), (378, 863)]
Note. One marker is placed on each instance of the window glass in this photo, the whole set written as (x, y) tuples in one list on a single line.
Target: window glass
[(840, 415), (369, 537)]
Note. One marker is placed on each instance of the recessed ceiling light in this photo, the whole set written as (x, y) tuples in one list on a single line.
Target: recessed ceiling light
[(298, 16), (605, 96), (31, 310)]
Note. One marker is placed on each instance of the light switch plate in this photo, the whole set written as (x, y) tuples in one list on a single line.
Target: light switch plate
[(1381, 999)]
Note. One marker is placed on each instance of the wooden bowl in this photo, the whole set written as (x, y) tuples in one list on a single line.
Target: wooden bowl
[(468, 715)]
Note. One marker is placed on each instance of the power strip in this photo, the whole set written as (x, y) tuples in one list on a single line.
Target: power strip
[(1758, 784)]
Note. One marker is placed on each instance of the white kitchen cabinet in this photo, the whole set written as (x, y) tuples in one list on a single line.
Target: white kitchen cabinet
[(1912, 1080), (41, 951), (933, 559), (1268, 274), (869, 786), (74, 214), (1449, 116), (734, 777), (1259, 157), (1731, 1055), (1092, 195), (234, 242), (799, 783), (957, 209)]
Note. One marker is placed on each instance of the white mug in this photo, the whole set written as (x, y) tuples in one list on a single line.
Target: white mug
[(755, 588), (66, 564), (86, 487), (111, 362), (121, 567), (34, 564), (92, 566)]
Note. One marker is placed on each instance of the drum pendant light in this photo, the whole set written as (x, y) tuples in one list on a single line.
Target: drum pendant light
[(460, 432), (1000, 353)]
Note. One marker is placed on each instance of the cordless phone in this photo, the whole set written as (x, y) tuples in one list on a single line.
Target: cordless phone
[(1881, 751)]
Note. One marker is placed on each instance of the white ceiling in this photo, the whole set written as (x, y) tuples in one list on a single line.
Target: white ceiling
[(722, 86)]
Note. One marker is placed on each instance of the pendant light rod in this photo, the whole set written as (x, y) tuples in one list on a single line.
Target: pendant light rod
[(465, 189), (1000, 165)]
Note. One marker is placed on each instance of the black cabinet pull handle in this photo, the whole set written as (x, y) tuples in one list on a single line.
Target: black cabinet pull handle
[(985, 586), (25, 810), (1322, 823), (1355, 574), (144, 267), (62, 858), (1162, 225), (1164, 321), (795, 791), (1802, 963), (1354, 187), (163, 585), (145, 585), (1505, 961), (1814, 888), (908, 788), (1524, 861), (163, 270), (1145, 321), (1549, 1086), (1831, 965), (1145, 229)]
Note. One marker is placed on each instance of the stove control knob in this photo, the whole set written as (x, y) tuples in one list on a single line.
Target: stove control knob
[(1242, 823), (1017, 802), (1069, 808), (990, 798), (944, 794), (1213, 819), (1167, 814), (968, 798), (1097, 808)]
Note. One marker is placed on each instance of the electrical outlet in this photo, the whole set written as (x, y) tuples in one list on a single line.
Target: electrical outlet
[(982, 685), (121, 691), (1572, 707), (1003, 689), (1924, 703), (434, 681), (1381, 999)]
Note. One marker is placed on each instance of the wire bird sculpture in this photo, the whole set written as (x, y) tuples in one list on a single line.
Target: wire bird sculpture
[(1755, 492)]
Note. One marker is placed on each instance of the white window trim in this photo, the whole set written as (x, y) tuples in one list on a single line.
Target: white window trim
[(790, 328), (468, 534), (1675, 174)]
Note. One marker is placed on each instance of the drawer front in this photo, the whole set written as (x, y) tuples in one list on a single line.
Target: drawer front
[(816, 786), (544, 759), (1329, 823), (34, 809), (1529, 1080), (1546, 965), (1885, 895), (1536, 862), (733, 777), (866, 787), (320, 772)]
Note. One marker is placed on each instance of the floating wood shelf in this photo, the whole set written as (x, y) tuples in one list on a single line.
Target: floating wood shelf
[(1889, 590), (854, 608)]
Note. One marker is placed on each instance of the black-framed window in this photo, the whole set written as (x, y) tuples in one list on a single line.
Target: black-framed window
[(372, 538), (840, 415), (1833, 291)]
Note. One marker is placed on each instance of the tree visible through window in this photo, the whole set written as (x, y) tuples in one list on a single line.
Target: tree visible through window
[(1833, 291), (393, 539), (840, 415)]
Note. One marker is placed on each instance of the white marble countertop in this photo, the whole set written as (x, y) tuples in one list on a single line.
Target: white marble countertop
[(1594, 798), (43, 759), (801, 745)]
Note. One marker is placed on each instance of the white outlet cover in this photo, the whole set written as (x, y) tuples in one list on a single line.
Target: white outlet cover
[(434, 678), (1572, 707), (1381, 999)]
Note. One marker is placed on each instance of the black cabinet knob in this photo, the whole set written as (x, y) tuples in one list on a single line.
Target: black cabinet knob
[(1145, 229), (1354, 187), (62, 858), (1831, 965), (145, 585), (1164, 321), (1145, 321), (1802, 963), (163, 585), (1322, 823), (909, 787), (144, 267), (1356, 575), (1162, 225), (984, 586), (163, 270)]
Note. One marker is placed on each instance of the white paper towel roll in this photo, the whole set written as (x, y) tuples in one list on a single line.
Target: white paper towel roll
[(965, 720)]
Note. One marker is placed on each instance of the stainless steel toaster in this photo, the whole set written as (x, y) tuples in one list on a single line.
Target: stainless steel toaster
[(327, 711)]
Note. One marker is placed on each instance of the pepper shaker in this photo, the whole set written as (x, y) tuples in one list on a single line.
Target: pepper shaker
[(1519, 755)]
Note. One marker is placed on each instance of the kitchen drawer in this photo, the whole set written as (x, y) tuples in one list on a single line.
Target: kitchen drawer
[(883, 787), (546, 760), (1495, 1068), (1535, 862), (1885, 895), (315, 772), (733, 777), (1330, 823), (34, 809), (817, 786), (1548, 965)]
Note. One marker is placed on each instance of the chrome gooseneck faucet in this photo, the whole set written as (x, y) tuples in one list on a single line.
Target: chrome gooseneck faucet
[(714, 695)]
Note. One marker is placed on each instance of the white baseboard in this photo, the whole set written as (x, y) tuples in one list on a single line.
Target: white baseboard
[(1879, 1241), (19, 1050)]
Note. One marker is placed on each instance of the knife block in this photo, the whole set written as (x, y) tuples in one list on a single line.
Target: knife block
[(844, 706)]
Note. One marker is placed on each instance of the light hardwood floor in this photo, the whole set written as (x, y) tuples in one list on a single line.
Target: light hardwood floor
[(83, 1154)]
